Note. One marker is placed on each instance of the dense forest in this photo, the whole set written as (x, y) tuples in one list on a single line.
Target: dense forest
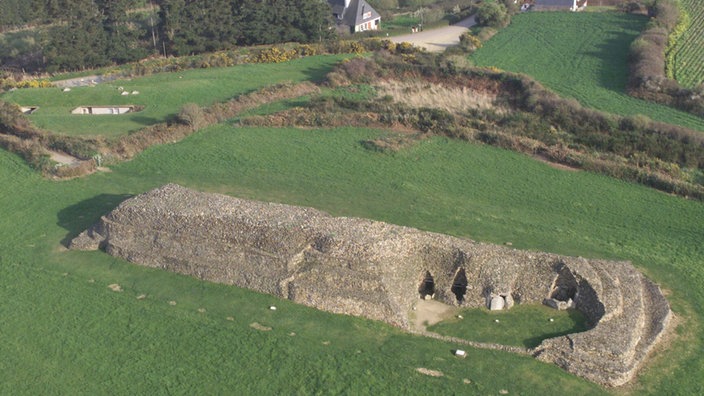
[(53, 35)]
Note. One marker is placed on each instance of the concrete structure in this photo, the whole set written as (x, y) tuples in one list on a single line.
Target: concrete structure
[(380, 271), (103, 110)]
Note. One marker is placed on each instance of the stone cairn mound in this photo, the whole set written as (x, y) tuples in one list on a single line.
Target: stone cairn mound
[(379, 271)]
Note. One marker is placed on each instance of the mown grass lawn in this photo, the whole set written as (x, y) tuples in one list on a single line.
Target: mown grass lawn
[(579, 55), (162, 95), (65, 331), (523, 325)]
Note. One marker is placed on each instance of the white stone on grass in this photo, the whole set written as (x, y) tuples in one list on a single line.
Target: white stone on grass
[(273, 308)]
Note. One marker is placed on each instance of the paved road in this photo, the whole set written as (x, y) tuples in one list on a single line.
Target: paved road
[(437, 40)]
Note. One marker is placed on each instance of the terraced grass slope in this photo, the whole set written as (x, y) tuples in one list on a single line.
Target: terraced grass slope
[(689, 55), (65, 331), (162, 95), (580, 55)]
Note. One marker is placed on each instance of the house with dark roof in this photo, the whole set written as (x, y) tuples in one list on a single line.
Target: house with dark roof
[(572, 5), (354, 16)]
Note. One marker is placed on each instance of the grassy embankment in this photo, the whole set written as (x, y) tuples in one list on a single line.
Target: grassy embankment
[(65, 331), (579, 55), (162, 95)]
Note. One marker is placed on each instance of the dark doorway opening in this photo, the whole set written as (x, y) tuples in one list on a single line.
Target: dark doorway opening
[(459, 285), (565, 287), (427, 286)]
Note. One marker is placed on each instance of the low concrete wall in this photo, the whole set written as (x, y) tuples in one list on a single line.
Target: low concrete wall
[(103, 110)]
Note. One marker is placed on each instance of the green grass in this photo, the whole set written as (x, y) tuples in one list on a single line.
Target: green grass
[(162, 95), (689, 52), (579, 55), (65, 332), (405, 21), (523, 325), (402, 24)]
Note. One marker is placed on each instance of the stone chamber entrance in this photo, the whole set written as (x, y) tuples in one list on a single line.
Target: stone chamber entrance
[(427, 286), (459, 285), (105, 110)]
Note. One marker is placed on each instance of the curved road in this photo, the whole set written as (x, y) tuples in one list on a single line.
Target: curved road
[(437, 40)]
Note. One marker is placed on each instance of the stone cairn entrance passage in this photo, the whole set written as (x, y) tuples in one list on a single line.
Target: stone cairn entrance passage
[(378, 270)]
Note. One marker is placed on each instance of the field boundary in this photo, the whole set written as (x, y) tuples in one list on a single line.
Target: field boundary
[(37, 147)]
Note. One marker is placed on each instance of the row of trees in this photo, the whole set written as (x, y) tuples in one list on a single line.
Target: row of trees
[(195, 26), (80, 34)]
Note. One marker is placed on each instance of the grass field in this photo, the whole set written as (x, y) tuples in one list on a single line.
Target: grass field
[(523, 325), (162, 95), (64, 331), (580, 55), (689, 55)]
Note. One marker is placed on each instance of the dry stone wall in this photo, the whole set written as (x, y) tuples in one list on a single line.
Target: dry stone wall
[(379, 271)]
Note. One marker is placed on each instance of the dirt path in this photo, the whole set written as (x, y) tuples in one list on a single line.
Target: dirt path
[(437, 40), (555, 165), (429, 312), (63, 158)]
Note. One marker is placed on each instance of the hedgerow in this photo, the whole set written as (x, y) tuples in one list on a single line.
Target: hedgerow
[(540, 122)]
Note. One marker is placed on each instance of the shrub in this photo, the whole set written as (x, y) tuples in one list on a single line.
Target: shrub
[(633, 7), (512, 6), (405, 48), (14, 122), (274, 55), (78, 147), (307, 50), (432, 15), (359, 69), (192, 115), (430, 120), (492, 14), (69, 171), (469, 42), (635, 122), (666, 13)]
